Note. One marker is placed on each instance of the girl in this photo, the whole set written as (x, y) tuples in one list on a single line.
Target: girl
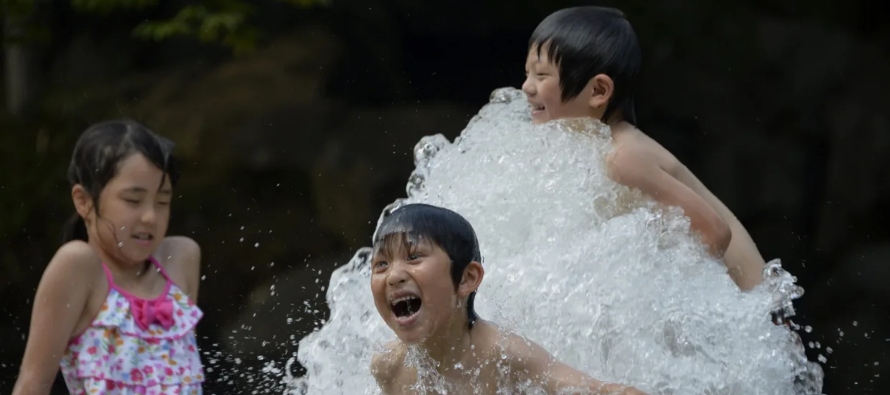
[(116, 305)]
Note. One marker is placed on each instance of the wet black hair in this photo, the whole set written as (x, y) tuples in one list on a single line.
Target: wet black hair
[(97, 155), (447, 229), (586, 41)]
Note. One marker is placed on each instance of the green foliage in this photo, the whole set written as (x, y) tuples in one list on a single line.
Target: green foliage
[(223, 22), (16, 7), (210, 21), (226, 23), (106, 6)]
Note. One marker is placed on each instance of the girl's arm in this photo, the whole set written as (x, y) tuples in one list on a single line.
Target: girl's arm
[(58, 307)]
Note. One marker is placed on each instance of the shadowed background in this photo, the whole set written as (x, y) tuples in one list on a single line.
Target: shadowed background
[(295, 120)]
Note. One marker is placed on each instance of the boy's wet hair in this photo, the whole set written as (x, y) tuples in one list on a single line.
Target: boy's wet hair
[(417, 223), (97, 156), (586, 41)]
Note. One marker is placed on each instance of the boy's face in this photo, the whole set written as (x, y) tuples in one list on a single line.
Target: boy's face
[(545, 94), (413, 290)]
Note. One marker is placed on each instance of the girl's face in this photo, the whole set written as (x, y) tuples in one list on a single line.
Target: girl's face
[(133, 211)]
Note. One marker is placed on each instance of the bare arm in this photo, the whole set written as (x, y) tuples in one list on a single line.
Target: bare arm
[(58, 306), (636, 168), (531, 361), (742, 258)]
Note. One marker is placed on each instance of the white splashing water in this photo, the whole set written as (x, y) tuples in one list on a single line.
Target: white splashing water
[(599, 275)]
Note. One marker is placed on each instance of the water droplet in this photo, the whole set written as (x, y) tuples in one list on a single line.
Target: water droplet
[(120, 244), (256, 245), (855, 323), (203, 277), (808, 329)]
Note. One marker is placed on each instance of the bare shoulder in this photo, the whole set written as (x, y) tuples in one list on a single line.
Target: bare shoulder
[(181, 257), (633, 149), (522, 349), (75, 259), (525, 357), (72, 275), (180, 245), (385, 364)]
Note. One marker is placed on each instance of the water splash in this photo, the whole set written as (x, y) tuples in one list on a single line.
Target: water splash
[(601, 276)]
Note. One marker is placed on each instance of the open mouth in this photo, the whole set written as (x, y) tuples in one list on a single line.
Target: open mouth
[(536, 108), (143, 237), (406, 306)]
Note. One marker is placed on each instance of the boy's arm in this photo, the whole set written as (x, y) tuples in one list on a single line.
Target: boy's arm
[(636, 168), (742, 258), (531, 362)]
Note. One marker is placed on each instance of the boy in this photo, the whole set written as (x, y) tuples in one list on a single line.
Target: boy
[(424, 275), (584, 62)]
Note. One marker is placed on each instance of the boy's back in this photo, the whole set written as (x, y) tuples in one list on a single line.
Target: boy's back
[(639, 161), (584, 62)]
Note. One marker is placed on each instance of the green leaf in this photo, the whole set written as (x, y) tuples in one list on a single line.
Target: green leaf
[(106, 6)]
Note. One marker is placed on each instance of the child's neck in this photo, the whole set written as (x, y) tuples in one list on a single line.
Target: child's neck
[(450, 348), (124, 272)]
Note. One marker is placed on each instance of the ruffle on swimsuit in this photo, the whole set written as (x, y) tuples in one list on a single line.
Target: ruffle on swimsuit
[(137, 346)]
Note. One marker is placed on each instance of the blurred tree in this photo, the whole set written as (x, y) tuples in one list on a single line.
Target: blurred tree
[(223, 22), (31, 177)]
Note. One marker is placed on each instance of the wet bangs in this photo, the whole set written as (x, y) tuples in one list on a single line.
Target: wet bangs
[(390, 244)]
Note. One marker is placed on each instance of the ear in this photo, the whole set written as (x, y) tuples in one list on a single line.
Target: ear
[(83, 201), (602, 88), (471, 279)]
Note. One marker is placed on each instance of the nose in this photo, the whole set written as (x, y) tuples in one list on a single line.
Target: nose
[(149, 215), (397, 275), (528, 87)]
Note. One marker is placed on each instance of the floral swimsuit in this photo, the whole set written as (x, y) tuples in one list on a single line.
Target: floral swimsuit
[(137, 346)]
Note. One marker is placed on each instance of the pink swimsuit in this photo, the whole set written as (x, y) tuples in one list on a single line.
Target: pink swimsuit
[(137, 346)]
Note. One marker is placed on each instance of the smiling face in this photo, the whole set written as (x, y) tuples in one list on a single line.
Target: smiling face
[(134, 211), (545, 94), (412, 288)]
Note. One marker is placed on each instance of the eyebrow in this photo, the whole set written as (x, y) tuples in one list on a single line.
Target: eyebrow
[(165, 191)]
